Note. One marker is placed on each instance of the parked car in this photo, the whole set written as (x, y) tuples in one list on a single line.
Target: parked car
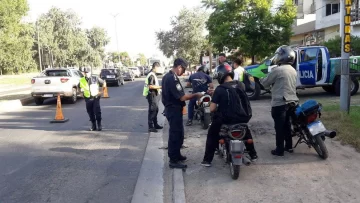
[(142, 70), (136, 71), (128, 75), (53, 82), (112, 76)]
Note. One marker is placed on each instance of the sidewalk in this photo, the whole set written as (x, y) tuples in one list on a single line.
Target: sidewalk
[(298, 177)]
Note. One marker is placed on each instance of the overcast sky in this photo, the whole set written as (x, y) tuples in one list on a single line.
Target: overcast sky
[(136, 23)]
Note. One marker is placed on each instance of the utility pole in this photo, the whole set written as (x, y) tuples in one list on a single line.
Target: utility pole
[(38, 40), (117, 42), (345, 27)]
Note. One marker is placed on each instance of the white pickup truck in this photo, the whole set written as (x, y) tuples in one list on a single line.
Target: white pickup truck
[(51, 82)]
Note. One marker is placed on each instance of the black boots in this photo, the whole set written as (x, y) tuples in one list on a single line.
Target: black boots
[(155, 128), (93, 126), (99, 126)]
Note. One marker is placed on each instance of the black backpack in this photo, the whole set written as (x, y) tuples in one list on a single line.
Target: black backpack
[(237, 99)]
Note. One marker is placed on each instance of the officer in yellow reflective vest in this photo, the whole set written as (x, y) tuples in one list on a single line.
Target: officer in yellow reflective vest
[(151, 91), (91, 87)]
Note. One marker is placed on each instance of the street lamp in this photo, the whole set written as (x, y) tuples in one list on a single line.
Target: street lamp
[(38, 40), (117, 42)]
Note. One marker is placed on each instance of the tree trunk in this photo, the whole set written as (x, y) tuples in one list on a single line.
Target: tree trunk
[(253, 60), (210, 59)]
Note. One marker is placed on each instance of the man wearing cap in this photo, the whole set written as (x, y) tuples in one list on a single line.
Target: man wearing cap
[(151, 92), (92, 89), (173, 98)]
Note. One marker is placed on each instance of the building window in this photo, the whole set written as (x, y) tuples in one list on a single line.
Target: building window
[(332, 9), (296, 2)]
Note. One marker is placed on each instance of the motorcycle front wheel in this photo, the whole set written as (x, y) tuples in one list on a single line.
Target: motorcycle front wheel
[(234, 171), (320, 147)]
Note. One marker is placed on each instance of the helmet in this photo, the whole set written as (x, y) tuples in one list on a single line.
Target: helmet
[(284, 55), (222, 71)]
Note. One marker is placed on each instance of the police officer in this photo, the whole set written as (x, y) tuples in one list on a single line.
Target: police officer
[(151, 92), (91, 86), (173, 98), (283, 92)]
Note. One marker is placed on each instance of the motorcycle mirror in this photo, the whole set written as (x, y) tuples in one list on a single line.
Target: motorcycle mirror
[(267, 62)]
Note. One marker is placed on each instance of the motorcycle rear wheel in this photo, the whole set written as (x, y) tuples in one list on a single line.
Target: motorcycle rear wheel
[(206, 121), (234, 171), (320, 147)]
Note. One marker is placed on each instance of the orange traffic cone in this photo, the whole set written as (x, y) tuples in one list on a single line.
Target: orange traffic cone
[(59, 117), (184, 112), (105, 90)]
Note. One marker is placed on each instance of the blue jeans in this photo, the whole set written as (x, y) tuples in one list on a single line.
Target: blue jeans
[(191, 107)]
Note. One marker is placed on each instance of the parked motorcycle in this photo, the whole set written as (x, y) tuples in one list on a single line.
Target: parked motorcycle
[(232, 147), (307, 126), (202, 111)]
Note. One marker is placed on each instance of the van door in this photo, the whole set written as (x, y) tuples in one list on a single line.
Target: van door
[(308, 62), (322, 69)]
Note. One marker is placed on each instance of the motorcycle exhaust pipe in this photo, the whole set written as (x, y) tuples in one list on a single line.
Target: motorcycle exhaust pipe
[(330, 133), (246, 161)]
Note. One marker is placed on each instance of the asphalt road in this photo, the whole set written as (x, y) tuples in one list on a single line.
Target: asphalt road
[(44, 162)]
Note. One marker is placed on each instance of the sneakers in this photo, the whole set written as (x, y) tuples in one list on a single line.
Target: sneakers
[(290, 150), (206, 163), (253, 157), (189, 123)]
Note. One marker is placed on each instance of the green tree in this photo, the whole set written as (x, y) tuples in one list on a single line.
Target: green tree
[(67, 43), (98, 39), (142, 59), (186, 38), (16, 38), (334, 46), (250, 25), (124, 58)]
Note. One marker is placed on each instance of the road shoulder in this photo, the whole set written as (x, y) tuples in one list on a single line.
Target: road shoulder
[(150, 183)]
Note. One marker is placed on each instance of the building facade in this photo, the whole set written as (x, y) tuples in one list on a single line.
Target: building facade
[(326, 24)]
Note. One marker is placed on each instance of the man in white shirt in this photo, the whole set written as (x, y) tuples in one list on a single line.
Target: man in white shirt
[(238, 70)]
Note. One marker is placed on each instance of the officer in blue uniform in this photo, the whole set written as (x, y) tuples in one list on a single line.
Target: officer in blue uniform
[(173, 98)]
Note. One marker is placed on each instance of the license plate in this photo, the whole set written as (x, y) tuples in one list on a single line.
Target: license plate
[(316, 128), (207, 110), (48, 95), (110, 76)]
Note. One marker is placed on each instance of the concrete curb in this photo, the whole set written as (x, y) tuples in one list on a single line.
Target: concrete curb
[(178, 192), (15, 104), (150, 183)]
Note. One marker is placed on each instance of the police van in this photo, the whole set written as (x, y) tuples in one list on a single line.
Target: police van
[(315, 68)]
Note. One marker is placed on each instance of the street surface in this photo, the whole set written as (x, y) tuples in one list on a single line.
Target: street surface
[(298, 177), (65, 163)]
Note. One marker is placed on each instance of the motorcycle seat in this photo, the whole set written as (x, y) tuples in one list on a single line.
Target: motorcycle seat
[(237, 126)]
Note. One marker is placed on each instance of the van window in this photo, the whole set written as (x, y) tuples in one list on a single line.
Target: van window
[(310, 54)]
